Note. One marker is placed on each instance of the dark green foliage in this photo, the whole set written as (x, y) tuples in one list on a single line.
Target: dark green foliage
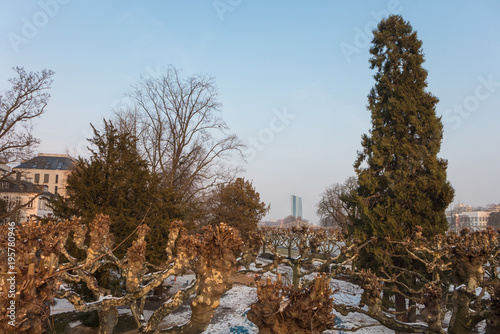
[(116, 181), (238, 204), (494, 220), (402, 182)]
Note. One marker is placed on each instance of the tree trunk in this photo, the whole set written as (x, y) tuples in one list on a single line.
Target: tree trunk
[(400, 302), (108, 318), (412, 312), (137, 313), (296, 276), (492, 326), (386, 299), (460, 319)]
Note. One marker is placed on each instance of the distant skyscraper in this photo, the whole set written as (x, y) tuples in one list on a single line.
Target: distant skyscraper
[(296, 206)]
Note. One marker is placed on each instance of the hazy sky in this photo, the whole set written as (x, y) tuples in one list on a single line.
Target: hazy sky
[(293, 77)]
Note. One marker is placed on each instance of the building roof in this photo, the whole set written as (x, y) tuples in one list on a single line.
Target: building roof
[(20, 186), (48, 161)]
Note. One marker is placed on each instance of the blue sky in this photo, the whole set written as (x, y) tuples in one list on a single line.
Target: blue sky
[(293, 76)]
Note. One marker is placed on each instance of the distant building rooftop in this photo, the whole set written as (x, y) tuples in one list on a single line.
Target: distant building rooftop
[(48, 161), (20, 186)]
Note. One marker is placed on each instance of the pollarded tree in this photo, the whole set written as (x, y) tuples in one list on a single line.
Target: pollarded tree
[(402, 182)]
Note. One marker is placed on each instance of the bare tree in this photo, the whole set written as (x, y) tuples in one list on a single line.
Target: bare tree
[(332, 210), (180, 131), (26, 100)]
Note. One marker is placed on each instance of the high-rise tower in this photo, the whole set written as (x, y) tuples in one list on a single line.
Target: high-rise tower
[(296, 206)]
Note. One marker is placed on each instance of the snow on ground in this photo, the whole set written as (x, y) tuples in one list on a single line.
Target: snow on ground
[(350, 294), (74, 324), (61, 306), (176, 283), (230, 317)]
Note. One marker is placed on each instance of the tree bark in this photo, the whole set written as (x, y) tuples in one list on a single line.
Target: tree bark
[(412, 312), (400, 302), (492, 326), (108, 318)]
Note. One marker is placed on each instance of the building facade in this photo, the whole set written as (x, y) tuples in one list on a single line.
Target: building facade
[(22, 200), (473, 220), (49, 170), (296, 206)]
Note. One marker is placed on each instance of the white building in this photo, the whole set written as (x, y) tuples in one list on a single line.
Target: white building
[(478, 219), (474, 220)]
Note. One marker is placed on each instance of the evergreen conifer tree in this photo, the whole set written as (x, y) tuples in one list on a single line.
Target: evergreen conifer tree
[(402, 182), (116, 181), (238, 204)]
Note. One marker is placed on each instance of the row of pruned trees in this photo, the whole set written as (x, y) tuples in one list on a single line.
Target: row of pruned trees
[(455, 275), (47, 268)]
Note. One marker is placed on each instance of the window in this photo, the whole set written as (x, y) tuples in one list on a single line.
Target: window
[(57, 179), (46, 178), (55, 190), (37, 178), (30, 204), (59, 166)]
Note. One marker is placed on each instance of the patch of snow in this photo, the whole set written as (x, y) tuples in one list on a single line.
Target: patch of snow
[(350, 294), (74, 324), (231, 315), (61, 306)]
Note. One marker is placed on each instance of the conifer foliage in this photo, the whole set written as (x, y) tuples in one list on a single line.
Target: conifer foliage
[(402, 182), (238, 204), (116, 181)]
